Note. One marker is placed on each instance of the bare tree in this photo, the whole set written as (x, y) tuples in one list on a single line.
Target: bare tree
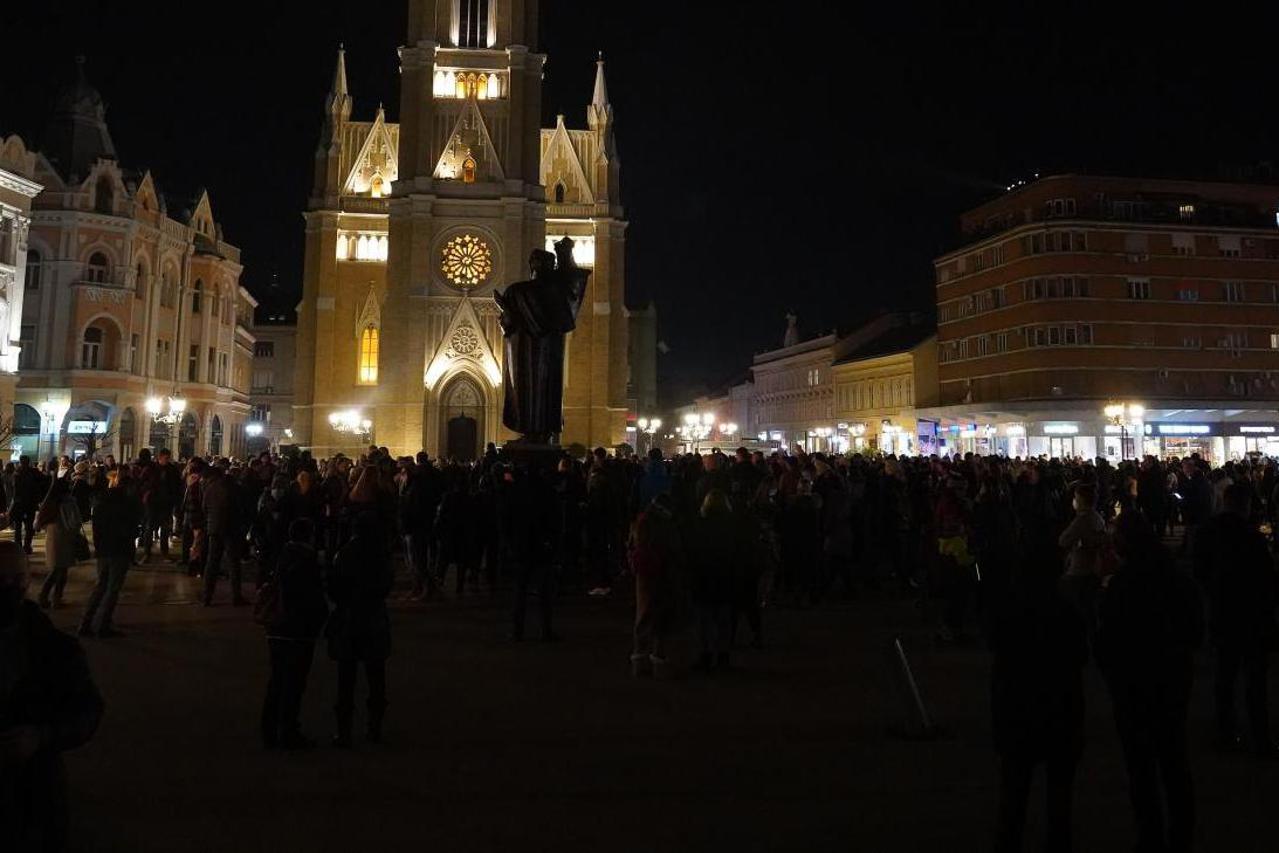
[(93, 440)]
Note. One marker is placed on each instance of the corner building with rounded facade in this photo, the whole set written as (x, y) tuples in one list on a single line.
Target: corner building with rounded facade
[(412, 226)]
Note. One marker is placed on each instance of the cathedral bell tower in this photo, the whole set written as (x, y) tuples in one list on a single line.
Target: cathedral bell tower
[(465, 213)]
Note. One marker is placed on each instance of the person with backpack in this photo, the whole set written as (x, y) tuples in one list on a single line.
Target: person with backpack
[(292, 607)]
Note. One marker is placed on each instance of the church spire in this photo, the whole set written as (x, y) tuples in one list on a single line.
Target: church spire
[(599, 115), (339, 100)]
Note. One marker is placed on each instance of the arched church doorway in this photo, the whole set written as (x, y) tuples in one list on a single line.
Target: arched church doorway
[(462, 416)]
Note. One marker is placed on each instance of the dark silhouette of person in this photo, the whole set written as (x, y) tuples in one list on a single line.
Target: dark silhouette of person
[(1233, 563), (48, 704), (1039, 645), (359, 630), (534, 522), (291, 636), (1151, 622)]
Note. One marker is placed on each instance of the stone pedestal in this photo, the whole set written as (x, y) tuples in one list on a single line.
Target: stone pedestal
[(529, 455)]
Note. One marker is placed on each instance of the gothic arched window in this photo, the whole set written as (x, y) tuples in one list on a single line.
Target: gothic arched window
[(468, 170), (559, 193), (197, 295), (368, 355), (473, 23)]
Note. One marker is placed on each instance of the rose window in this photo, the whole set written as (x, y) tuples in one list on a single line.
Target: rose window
[(467, 261), (464, 341)]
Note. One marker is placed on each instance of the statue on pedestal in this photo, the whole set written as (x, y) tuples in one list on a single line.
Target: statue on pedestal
[(536, 315)]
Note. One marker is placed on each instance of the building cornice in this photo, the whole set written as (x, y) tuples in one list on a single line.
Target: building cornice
[(19, 184)]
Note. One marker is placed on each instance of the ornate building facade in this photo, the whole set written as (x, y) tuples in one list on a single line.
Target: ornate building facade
[(412, 226), (126, 300), (17, 189)]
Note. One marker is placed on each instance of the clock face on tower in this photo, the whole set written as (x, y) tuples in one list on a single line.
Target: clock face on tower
[(466, 261)]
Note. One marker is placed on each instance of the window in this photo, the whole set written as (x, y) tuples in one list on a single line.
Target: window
[(559, 193), (97, 268), (1183, 244), (264, 349), (1040, 337), (1274, 340), (264, 381), (1054, 336), (963, 348), (1187, 212), (33, 270), (1085, 335), (1234, 291), (1228, 246), (222, 369), (1061, 207), (163, 366), (27, 357), (193, 364), (1001, 342), (213, 365), (91, 349), (261, 413), (368, 356), (473, 24), (1070, 336), (134, 343), (1188, 294), (197, 296), (983, 345), (1138, 288), (167, 289), (140, 282), (1190, 341)]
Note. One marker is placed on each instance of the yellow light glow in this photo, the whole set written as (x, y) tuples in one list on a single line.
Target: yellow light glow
[(467, 261), (369, 345)]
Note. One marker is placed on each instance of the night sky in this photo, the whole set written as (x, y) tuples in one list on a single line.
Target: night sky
[(767, 163)]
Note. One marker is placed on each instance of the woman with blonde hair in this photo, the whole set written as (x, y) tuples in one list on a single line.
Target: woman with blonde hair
[(60, 518)]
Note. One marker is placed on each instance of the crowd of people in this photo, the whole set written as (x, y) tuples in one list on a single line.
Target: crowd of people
[(1053, 562)]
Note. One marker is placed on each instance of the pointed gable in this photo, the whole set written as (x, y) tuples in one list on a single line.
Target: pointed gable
[(370, 313), (202, 217), (562, 166), (464, 345), (146, 196), (376, 165), (470, 155)]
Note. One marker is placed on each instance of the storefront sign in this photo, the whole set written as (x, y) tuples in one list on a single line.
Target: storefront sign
[(1183, 429), (1256, 430), (86, 427), (1061, 429)]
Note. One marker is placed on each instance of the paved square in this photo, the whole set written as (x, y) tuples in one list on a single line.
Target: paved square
[(494, 746)]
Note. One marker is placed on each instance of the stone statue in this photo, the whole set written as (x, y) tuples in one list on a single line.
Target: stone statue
[(536, 315), (792, 329)]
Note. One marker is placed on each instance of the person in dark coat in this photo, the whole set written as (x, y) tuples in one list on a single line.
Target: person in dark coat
[(218, 496), (535, 530), (655, 562), (717, 550), (29, 487), (359, 629), (48, 705), (1233, 563), (1039, 647), (1151, 622), (299, 617), (115, 526)]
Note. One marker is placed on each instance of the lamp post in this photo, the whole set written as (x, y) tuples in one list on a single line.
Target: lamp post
[(696, 429), (1123, 414), (170, 414), (648, 426), (351, 422)]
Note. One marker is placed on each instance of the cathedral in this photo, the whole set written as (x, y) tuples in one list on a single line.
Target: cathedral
[(412, 226)]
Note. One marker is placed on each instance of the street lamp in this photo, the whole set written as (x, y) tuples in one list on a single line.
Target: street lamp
[(351, 422), (648, 426), (1123, 415), (177, 406)]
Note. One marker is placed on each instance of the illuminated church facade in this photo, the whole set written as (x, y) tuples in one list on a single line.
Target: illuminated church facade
[(412, 226)]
